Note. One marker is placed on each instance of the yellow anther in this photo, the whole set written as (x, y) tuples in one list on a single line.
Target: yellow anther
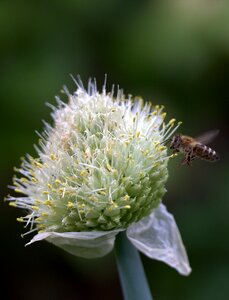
[(41, 226), (156, 143), (23, 180), (161, 148), (179, 123), (53, 156), (83, 173), (163, 115), (113, 109), (127, 206), (34, 207), (109, 167), (38, 201), (57, 181), (13, 204), (20, 219), (102, 193), (126, 198), (157, 107), (37, 164), (39, 219), (146, 152), (70, 204), (48, 202), (18, 191), (45, 192), (34, 179), (49, 185), (172, 121), (44, 214), (93, 198), (138, 134)]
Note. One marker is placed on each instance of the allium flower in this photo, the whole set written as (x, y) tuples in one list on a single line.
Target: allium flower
[(101, 169)]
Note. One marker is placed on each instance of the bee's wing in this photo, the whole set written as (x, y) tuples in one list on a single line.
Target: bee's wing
[(207, 137)]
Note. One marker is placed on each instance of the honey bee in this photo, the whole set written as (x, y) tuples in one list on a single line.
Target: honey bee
[(195, 147)]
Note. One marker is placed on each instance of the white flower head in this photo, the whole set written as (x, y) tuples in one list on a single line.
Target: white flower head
[(101, 169)]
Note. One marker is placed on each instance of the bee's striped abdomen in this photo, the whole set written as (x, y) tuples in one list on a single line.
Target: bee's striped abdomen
[(204, 152)]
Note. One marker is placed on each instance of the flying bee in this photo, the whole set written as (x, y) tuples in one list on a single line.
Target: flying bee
[(195, 147)]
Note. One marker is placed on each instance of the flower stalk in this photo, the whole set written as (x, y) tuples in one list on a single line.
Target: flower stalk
[(131, 272)]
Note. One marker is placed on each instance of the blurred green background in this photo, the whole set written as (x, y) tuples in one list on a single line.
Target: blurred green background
[(174, 53)]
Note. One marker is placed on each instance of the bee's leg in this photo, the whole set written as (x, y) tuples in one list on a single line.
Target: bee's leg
[(192, 157), (185, 162), (188, 158)]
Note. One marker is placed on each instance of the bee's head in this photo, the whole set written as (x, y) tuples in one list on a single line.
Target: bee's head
[(176, 141)]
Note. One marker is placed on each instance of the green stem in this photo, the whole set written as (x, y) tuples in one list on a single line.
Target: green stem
[(132, 276)]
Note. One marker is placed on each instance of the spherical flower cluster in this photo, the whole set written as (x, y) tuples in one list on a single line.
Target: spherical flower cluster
[(100, 169)]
